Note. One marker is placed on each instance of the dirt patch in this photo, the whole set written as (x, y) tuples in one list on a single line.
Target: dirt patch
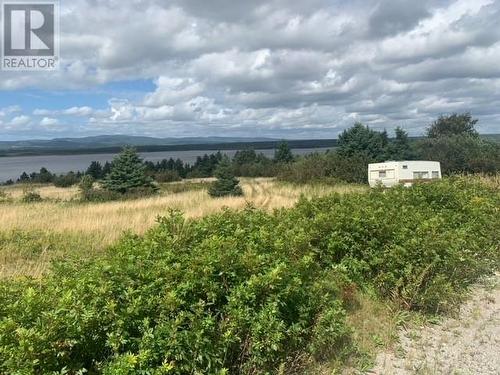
[(466, 344)]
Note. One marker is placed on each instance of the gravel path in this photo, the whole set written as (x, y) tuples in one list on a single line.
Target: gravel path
[(465, 345)]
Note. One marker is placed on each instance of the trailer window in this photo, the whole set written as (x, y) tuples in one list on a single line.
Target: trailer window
[(435, 174), (382, 174), (419, 175), (405, 167)]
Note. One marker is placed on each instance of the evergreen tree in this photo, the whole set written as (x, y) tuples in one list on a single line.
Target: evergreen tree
[(179, 167), (95, 170), (23, 178), (283, 153), (247, 156), (227, 183), (44, 176), (150, 167), (106, 169), (362, 141), (400, 148), (127, 172)]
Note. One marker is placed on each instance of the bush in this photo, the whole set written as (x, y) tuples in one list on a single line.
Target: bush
[(352, 169), (307, 169), (90, 193), (30, 195), (100, 195), (259, 169), (189, 297), (67, 180), (249, 292), (330, 167), (462, 154), (167, 176), (421, 246), (4, 197)]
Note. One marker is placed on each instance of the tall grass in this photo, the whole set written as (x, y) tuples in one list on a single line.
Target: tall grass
[(68, 226)]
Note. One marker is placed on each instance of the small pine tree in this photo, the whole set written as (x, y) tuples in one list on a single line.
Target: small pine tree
[(86, 186), (227, 183), (283, 153), (24, 178), (128, 172)]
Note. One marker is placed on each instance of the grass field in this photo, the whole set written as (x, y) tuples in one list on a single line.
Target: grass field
[(371, 291), (31, 234)]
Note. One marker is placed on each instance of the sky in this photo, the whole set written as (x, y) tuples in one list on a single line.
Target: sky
[(269, 68)]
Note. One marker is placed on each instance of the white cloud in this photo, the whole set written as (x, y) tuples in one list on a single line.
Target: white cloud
[(84, 111), (10, 110), (20, 121), (48, 122), (273, 67), (79, 111), (173, 90)]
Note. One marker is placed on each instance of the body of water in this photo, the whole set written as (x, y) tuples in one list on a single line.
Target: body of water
[(13, 167)]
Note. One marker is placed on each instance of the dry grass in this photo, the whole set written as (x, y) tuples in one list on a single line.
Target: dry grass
[(46, 191), (374, 325), (103, 223), (491, 181), (112, 218)]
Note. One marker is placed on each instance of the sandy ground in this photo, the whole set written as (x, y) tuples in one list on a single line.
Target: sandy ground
[(466, 344)]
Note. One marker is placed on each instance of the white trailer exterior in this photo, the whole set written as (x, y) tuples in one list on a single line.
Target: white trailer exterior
[(392, 173)]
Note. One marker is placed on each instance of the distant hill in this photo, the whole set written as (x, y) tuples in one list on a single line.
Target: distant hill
[(492, 137), (103, 141), (113, 143)]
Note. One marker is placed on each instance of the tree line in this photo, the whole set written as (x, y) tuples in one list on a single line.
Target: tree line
[(245, 163), (451, 140)]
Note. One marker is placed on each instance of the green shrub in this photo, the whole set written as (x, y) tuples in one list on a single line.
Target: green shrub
[(191, 297), (167, 176), (250, 292), (4, 197), (182, 187), (421, 246), (100, 195), (462, 154), (30, 195), (308, 169), (330, 167), (66, 180)]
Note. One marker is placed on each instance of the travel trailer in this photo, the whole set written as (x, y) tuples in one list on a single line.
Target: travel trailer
[(392, 173)]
